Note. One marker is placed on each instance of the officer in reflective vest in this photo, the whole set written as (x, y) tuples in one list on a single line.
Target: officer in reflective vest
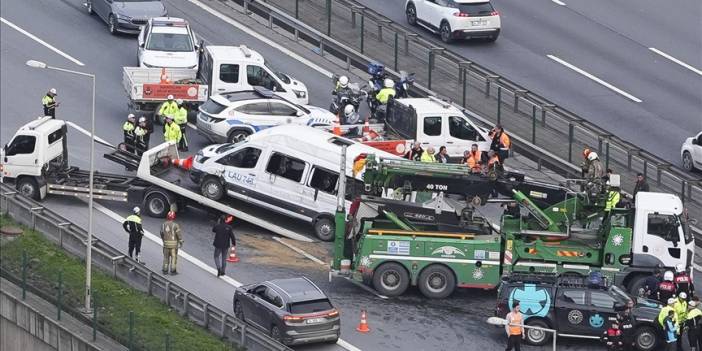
[(172, 240), (169, 108), (181, 119), (128, 130), (694, 326), (171, 131), (49, 103), (132, 225)]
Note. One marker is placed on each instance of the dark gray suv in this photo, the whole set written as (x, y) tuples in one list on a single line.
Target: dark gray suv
[(293, 311)]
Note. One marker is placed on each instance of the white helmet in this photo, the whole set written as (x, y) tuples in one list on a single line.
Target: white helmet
[(343, 81), (683, 295), (142, 119), (170, 97), (679, 268), (136, 210), (179, 101), (592, 156), (348, 110), (671, 301), (388, 83), (130, 116), (668, 276), (53, 91)]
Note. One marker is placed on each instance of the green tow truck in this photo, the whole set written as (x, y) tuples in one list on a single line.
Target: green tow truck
[(416, 224)]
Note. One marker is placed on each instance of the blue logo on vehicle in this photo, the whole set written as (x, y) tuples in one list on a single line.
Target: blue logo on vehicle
[(533, 301), (596, 321)]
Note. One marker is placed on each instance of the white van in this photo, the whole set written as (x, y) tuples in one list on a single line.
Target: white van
[(290, 169), (236, 68)]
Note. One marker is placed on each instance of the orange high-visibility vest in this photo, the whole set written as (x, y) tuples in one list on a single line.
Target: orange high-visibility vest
[(515, 327)]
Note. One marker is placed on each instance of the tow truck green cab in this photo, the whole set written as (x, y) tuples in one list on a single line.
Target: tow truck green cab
[(441, 244)]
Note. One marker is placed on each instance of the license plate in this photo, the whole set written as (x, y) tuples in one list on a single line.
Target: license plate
[(314, 320), (478, 23)]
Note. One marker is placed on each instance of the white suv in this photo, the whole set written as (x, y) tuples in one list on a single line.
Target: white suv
[(167, 42), (691, 152), (455, 19), (231, 117)]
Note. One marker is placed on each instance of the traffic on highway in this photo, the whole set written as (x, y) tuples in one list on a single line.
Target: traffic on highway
[(332, 206)]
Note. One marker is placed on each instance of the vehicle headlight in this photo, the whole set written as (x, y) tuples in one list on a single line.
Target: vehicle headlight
[(300, 94), (123, 17)]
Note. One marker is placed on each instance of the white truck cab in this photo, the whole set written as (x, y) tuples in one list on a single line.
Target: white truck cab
[(167, 42), (237, 68), (34, 150), (661, 231)]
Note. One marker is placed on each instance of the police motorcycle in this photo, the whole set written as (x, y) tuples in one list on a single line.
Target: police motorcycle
[(347, 100)]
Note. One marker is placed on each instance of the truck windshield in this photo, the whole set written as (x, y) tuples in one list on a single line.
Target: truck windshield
[(170, 42)]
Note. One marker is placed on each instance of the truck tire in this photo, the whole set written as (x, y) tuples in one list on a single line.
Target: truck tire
[(636, 284), (157, 205), (212, 188), (28, 187), (324, 229), (537, 337), (436, 281), (391, 279), (646, 338)]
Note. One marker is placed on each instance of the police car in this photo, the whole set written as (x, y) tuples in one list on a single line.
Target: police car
[(575, 308), (232, 116)]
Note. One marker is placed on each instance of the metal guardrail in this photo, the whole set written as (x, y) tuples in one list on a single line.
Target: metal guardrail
[(548, 122), (72, 239)]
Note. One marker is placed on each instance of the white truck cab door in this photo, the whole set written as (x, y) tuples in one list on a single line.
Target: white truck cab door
[(462, 133), (225, 77), (257, 75), (21, 156), (658, 239)]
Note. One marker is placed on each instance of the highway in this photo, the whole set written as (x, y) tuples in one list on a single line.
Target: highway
[(407, 323), (647, 56)]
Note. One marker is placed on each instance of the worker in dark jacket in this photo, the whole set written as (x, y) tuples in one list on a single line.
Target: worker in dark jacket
[(132, 225), (612, 338), (224, 238), (626, 325), (415, 152), (694, 326), (641, 184)]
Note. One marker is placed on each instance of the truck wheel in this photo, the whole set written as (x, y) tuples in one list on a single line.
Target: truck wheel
[(436, 282), (212, 188), (537, 337), (237, 135), (391, 279), (636, 285), (646, 338), (28, 187), (157, 205), (324, 229)]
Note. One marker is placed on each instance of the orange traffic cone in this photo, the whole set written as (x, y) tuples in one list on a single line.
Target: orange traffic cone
[(164, 76), (366, 128), (363, 326), (232, 255), (337, 126), (184, 163)]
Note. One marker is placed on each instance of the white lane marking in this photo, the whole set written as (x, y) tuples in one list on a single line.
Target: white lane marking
[(681, 63), (596, 79), (156, 239), (697, 267), (87, 133), (300, 251), (35, 38), (262, 38), (197, 262), (559, 2)]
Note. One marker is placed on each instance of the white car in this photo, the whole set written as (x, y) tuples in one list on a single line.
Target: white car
[(233, 116), (455, 19), (167, 42), (691, 152)]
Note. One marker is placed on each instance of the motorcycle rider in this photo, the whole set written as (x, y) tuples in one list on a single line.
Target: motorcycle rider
[(342, 85), (350, 115), (383, 96)]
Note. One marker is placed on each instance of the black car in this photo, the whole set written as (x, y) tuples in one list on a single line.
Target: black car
[(126, 16), (576, 309), (293, 311)]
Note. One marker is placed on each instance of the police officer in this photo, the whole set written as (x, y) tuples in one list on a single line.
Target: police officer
[(132, 225), (181, 119), (626, 325), (171, 131), (143, 134), (172, 240), (342, 85), (168, 108), (680, 308), (386, 92), (428, 156), (49, 103), (650, 287), (612, 338), (666, 288), (128, 130), (682, 281), (693, 325)]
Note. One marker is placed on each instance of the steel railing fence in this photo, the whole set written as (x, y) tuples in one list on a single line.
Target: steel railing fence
[(351, 35), (72, 239)]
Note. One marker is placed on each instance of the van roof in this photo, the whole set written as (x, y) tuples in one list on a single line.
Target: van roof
[(43, 125), (325, 147), (430, 105), (234, 53)]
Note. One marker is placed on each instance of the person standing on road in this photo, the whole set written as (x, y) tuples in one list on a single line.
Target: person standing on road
[(650, 287), (49, 103), (641, 184), (670, 329), (680, 308), (666, 288), (224, 236), (612, 338), (172, 240), (171, 131), (132, 225), (683, 282), (128, 130), (181, 119), (168, 108), (142, 135), (626, 325), (514, 328), (694, 326), (501, 142)]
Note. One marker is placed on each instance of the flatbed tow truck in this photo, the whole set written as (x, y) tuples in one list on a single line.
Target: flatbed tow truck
[(441, 244), (36, 159)]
